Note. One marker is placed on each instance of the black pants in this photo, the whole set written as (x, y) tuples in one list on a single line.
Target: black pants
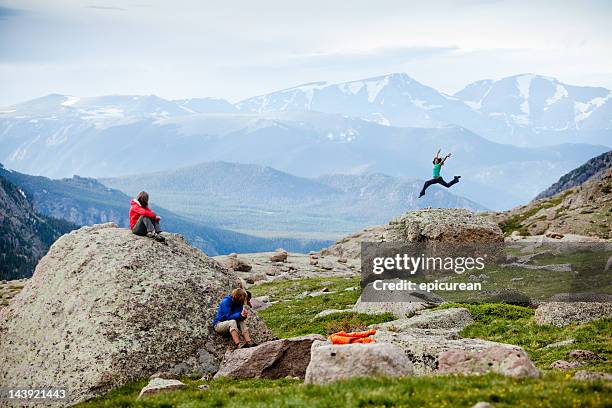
[(145, 225), (438, 180)]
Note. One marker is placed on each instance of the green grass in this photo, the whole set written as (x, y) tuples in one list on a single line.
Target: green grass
[(294, 315), (553, 390), (515, 325)]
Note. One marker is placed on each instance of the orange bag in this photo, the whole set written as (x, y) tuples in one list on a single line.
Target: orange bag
[(353, 337)]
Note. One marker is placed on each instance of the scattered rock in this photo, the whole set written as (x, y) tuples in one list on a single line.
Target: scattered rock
[(565, 365), (561, 314), (330, 363), (584, 375), (342, 260), (203, 387), (112, 314), (237, 264), (273, 359), (280, 256), (508, 361), (157, 385), (584, 355), (330, 311), (482, 404), (561, 343), (166, 375), (454, 318), (554, 235)]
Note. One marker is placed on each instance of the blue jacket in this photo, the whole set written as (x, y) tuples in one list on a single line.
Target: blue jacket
[(228, 310)]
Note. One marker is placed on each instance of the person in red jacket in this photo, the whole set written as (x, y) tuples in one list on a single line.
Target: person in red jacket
[(143, 221)]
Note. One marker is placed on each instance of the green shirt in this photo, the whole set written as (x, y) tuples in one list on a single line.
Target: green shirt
[(436, 170)]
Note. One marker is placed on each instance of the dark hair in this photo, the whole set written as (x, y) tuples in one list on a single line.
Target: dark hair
[(437, 160), (143, 199)]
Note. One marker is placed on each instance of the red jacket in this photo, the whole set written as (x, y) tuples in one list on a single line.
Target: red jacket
[(137, 210)]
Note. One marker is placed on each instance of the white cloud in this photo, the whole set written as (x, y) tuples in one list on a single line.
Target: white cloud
[(241, 48)]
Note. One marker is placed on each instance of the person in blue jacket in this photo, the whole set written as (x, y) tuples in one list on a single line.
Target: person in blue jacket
[(231, 316)]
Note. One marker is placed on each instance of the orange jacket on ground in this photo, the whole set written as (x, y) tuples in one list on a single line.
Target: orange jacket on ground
[(353, 337)]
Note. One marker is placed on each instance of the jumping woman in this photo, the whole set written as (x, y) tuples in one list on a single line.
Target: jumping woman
[(437, 179)]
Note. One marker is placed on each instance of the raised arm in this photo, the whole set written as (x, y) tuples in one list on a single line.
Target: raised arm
[(446, 157), (438, 154)]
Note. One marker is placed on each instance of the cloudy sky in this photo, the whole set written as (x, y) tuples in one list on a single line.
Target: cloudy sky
[(235, 49)]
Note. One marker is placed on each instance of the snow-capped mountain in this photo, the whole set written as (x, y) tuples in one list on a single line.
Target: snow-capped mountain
[(521, 110), (528, 105), (392, 100)]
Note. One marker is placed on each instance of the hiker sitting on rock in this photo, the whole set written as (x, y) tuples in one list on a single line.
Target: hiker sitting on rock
[(143, 221), (231, 316)]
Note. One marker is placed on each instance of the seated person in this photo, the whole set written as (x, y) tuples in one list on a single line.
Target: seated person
[(143, 221), (231, 316)]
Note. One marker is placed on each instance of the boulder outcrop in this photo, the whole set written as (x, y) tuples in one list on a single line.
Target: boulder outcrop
[(106, 307), (330, 363), (273, 359), (561, 314), (450, 225)]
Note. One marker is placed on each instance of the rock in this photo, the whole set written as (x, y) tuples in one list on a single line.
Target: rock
[(313, 262), (258, 304), (584, 375), (561, 314), (237, 264), (508, 296), (561, 343), (203, 387), (554, 235), (273, 359), (166, 375), (508, 361), (280, 256), (342, 260), (564, 365), (451, 225), (106, 307), (330, 363), (157, 385), (454, 318), (330, 311), (482, 404), (400, 303), (255, 277), (327, 265), (584, 355)]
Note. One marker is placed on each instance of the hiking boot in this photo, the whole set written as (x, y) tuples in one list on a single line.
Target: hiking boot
[(159, 238), (247, 345), (151, 235)]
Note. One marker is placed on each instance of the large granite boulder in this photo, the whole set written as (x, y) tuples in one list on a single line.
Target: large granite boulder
[(273, 359), (449, 225), (561, 314), (431, 337), (330, 363), (106, 307), (511, 361)]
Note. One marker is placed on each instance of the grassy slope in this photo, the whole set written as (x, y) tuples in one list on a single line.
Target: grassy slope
[(294, 316)]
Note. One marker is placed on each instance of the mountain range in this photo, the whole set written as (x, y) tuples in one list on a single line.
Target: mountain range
[(261, 200), (390, 124), (83, 201)]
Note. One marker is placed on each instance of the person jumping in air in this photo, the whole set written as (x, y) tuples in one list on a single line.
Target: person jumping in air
[(143, 221), (437, 179)]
